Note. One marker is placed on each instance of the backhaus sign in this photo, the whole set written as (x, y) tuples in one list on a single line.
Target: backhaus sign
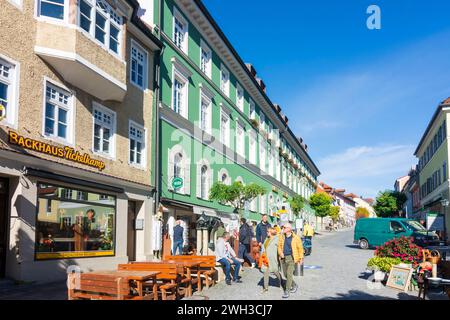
[(67, 153)]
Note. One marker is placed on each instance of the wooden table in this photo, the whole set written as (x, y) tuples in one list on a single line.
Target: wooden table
[(139, 277), (188, 265)]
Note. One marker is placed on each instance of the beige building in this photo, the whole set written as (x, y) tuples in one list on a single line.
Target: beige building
[(76, 110)]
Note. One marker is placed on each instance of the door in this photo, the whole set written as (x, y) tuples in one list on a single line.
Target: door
[(4, 195), (397, 229), (131, 234)]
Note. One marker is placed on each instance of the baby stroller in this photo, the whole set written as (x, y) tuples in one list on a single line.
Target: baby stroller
[(307, 246)]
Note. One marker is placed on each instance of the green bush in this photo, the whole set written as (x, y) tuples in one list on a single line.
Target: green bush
[(382, 263)]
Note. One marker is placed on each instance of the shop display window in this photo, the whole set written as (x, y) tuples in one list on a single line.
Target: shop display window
[(73, 223)]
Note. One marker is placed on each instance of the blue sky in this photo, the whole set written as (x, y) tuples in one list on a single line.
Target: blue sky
[(360, 98)]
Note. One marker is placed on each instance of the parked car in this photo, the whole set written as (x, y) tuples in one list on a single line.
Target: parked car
[(371, 232)]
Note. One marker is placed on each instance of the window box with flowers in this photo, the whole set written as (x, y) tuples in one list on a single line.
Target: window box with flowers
[(254, 123)]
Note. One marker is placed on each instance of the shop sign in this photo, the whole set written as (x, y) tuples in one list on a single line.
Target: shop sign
[(67, 153), (177, 182)]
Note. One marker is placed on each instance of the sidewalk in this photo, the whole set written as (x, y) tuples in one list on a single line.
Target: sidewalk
[(10, 290)]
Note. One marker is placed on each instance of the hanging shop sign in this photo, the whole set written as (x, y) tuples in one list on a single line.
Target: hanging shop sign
[(67, 153), (177, 182)]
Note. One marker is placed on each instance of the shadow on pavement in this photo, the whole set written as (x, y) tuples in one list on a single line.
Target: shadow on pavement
[(361, 295), (355, 246)]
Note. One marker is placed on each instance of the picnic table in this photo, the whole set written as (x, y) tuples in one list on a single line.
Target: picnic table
[(188, 265), (92, 281)]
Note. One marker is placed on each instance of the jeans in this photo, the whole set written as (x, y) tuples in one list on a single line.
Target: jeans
[(177, 245), (244, 252), (288, 266), (227, 265)]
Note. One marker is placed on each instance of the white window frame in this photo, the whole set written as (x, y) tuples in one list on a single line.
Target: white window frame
[(178, 16), (12, 81), (262, 120), (181, 74), (221, 173), (141, 50), (252, 147), (262, 204), (109, 21), (262, 154), (209, 177), (37, 13), (208, 65), (225, 135), (143, 141), (240, 140), (252, 109), (70, 114), (240, 98), (225, 86), (112, 127), (185, 167), (204, 100)]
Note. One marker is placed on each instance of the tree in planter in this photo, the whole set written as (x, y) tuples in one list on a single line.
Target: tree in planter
[(297, 203), (321, 203), (361, 213), (236, 194), (389, 203)]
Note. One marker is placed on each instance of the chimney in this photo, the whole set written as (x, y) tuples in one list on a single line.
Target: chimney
[(261, 84), (277, 107), (251, 69)]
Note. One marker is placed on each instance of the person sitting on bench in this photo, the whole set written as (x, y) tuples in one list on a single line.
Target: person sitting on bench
[(225, 256)]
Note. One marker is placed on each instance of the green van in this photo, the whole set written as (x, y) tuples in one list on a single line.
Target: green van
[(371, 232)]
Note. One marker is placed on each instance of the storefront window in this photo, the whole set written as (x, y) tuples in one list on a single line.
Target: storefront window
[(72, 223)]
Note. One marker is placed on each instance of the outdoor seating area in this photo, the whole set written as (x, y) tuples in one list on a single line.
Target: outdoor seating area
[(173, 278)]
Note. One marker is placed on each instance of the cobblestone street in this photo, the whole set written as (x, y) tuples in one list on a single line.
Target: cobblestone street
[(341, 275)]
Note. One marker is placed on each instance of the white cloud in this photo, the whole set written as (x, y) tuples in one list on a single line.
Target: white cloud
[(365, 170)]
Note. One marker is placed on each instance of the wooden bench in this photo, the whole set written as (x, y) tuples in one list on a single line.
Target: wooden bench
[(206, 271), (100, 287), (169, 279)]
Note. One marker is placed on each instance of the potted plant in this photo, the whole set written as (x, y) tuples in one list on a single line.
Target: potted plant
[(381, 266), (254, 123), (402, 248)]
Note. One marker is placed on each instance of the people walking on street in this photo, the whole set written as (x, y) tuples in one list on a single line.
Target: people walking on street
[(290, 250), (178, 231), (225, 256), (261, 230), (271, 252), (308, 231), (245, 240)]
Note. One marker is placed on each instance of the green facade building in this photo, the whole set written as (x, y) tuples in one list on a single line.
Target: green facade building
[(218, 124)]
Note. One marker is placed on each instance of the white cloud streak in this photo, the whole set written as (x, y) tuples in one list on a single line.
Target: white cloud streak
[(363, 169)]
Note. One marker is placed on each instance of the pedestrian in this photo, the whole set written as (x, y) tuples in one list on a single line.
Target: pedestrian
[(277, 228), (290, 250), (261, 230), (245, 240), (178, 231), (271, 252), (226, 257), (308, 231)]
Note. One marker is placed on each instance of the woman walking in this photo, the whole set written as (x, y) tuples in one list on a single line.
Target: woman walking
[(271, 252)]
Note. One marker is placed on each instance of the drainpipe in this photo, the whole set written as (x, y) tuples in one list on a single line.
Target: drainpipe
[(157, 102)]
